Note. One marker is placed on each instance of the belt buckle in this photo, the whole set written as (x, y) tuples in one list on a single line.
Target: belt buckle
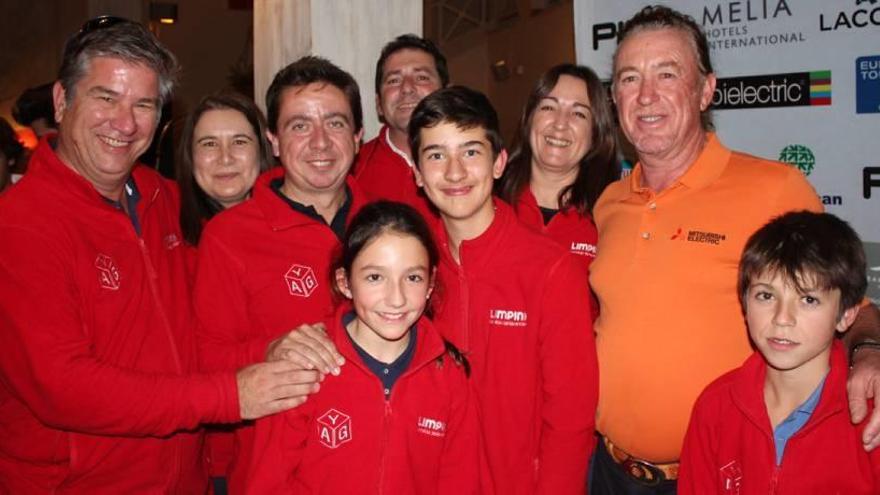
[(642, 471)]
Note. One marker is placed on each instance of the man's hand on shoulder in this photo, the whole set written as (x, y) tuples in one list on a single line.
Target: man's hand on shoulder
[(268, 388), (309, 347), (863, 383)]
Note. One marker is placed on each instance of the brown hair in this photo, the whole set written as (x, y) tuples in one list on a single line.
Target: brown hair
[(196, 207), (598, 167), (806, 247)]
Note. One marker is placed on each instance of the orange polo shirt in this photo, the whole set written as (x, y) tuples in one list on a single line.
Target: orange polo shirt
[(670, 320)]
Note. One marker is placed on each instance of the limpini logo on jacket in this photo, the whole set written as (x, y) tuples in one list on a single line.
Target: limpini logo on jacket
[(334, 428), (108, 273), (508, 317), (432, 427), (583, 249), (698, 236)]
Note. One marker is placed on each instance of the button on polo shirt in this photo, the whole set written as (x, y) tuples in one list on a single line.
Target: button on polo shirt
[(388, 373)]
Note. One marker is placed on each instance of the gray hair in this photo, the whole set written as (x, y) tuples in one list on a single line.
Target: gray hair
[(118, 38)]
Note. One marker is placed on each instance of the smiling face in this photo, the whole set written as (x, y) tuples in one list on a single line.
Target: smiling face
[(562, 127), (408, 75), (660, 92), (109, 121), (457, 170), (315, 140), (793, 330), (389, 286), (225, 154)]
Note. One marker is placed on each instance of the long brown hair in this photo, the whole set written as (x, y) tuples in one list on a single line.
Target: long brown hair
[(196, 207), (598, 168)]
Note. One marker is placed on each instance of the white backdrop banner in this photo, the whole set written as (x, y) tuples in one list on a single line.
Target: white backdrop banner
[(798, 82)]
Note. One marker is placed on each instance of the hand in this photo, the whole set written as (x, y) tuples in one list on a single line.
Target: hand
[(309, 347), (268, 388), (864, 384)]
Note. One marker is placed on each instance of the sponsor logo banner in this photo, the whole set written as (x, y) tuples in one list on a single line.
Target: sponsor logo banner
[(793, 89), (799, 156), (868, 84)]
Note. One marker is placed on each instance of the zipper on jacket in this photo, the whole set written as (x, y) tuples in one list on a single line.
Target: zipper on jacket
[(465, 310), (774, 479), (152, 276), (384, 451)]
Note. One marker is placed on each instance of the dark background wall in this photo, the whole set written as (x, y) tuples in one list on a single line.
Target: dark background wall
[(213, 41)]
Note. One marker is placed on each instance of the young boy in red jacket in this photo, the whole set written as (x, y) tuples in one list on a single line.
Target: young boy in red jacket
[(779, 423), (513, 300)]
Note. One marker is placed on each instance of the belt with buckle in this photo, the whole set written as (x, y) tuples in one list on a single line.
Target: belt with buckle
[(641, 470)]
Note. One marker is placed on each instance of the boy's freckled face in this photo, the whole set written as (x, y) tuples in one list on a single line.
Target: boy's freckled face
[(791, 329)]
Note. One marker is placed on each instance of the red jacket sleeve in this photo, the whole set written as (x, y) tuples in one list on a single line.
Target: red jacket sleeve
[(570, 375), (279, 442), (226, 337), (459, 471), (696, 474), (48, 363)]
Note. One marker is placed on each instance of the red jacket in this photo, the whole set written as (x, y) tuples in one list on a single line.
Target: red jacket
[(519, 306), (96, 342), (349, 439), (385, 174), (729, 446), (263, 270), (575, 232)]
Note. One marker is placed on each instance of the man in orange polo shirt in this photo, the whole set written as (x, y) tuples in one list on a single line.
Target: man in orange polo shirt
[(670, 236)]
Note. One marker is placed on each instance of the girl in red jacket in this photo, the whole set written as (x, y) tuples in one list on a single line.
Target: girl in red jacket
[(398, 419)]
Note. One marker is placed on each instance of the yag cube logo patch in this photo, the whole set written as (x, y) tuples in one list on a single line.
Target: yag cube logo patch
[(868, 84)]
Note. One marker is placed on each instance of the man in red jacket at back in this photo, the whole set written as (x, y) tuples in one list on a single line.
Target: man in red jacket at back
[(409, 68), (97, 355)]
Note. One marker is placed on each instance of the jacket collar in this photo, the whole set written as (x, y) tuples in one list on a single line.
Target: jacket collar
[(61, 180), (478, 250), (385, 139), (526, 206), (280, 215), (429, 345), (748, 391), (708, 167)]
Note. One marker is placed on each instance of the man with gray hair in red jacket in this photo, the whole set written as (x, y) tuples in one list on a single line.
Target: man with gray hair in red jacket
[(98, 392)]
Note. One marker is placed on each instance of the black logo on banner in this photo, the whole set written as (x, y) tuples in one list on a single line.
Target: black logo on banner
[(794, 89)]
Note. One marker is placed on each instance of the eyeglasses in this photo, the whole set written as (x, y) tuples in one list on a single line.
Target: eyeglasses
[(100, 22)]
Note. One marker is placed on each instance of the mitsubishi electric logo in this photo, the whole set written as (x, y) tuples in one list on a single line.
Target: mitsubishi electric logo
[(799, 156), (794, 89)]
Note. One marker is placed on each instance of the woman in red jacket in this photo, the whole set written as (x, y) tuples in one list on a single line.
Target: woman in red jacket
[(564, 155), (223, 148), (399, 418)]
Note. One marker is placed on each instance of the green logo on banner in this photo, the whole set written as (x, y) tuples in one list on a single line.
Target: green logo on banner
[(800, 156)]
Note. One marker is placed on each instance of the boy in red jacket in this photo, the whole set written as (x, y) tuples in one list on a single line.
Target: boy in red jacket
[(779, 423), (513, 300)]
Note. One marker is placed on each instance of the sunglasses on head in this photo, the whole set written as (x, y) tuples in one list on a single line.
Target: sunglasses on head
[(100, 22)]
